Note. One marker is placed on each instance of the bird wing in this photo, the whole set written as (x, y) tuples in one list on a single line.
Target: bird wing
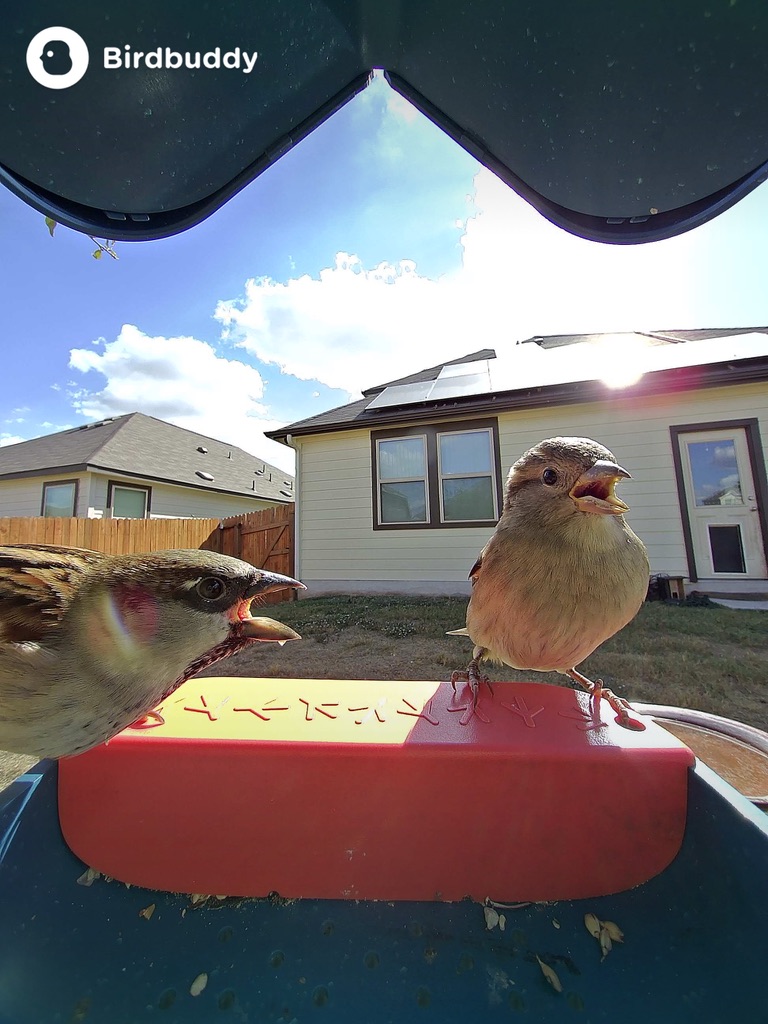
[(37, 583)]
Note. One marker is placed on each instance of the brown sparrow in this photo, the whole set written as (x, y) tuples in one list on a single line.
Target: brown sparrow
[(562, 572), (91, 642)]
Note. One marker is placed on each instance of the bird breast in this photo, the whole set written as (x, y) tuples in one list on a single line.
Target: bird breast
[(546, 603)]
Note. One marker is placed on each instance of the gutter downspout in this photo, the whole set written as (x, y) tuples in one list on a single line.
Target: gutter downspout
[(296, 445)]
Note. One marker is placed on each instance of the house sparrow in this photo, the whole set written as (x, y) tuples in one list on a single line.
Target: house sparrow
[(91, 642), (562, 572)]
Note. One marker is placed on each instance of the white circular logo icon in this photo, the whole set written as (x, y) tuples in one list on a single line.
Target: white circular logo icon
[(57, 57)]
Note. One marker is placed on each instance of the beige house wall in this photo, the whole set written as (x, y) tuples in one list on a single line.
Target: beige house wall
[(23, 497), (338, 549), (171, 500)]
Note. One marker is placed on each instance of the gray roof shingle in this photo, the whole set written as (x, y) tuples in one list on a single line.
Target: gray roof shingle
[(151, 449)]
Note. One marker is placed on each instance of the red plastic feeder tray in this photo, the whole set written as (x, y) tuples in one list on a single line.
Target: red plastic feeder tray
[(379, 790)]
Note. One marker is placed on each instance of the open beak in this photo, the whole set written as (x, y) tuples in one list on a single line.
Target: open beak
[(260, 627), (593, 491), (267, 630)]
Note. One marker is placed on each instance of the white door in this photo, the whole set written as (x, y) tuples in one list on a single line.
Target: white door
[(722, 505)]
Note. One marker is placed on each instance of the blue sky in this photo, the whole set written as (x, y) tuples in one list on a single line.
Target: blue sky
[(374, 248)]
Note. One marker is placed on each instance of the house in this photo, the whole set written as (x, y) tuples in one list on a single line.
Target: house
[(399, 491), (136, 467)]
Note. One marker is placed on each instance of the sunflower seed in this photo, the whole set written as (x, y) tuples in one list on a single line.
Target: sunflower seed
[(617, 935), (592, 924), (491, 917), (88, 877), (198, 984), (550, 975)]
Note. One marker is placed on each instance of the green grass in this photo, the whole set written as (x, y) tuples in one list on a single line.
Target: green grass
[(711, 658)]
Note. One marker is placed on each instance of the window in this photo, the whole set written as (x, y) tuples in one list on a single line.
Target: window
[(437, 475), (403, 480), (59, 498), (465, 462), (128, 502)]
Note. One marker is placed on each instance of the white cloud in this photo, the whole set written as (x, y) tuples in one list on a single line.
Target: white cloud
[(724, 455), (348, 328), (536, 278), (351, 326), (400, 107), (181, 380), (6, 439)]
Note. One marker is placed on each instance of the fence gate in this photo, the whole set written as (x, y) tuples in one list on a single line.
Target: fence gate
[(265, 539)]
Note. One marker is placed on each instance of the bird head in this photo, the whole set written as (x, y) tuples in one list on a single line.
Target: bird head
[(562, 476), (178, 611)]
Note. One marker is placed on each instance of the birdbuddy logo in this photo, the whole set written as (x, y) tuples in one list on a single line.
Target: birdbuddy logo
[(58, 58)]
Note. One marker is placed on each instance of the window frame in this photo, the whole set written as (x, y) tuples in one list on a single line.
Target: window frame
[(430, 432), (441, 476), (407, 479), (112, 484), (58, 483)]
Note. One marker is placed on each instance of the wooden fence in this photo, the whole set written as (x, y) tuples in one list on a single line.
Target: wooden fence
[(112, 536), (265, 538)]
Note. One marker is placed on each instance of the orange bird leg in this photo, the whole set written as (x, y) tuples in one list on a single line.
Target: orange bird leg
[(600, 692)]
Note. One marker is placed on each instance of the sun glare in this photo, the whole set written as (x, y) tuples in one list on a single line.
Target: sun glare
[(622, 360)]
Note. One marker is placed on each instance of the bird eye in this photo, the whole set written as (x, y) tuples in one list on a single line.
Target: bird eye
[(210, 588), (549, 476)]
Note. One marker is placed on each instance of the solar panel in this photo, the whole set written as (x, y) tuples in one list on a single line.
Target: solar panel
[(463, 369), (461, 387), (401, 394), (529, 366)]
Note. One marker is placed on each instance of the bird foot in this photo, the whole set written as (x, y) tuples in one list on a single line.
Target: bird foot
[(598, 692), (474, 677), (149, 721)]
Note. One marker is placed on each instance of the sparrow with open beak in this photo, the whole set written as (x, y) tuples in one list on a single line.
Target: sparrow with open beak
[(562, 572), (89, 642)]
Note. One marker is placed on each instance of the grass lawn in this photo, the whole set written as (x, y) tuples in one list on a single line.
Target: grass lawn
[(711, 658)]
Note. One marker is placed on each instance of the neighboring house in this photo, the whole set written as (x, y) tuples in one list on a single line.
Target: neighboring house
[(136, 467), (399, 491)]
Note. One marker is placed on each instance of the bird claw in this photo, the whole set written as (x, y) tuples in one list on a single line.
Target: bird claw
[(598, 692), (622, 708), (149, 721), (474, 678)]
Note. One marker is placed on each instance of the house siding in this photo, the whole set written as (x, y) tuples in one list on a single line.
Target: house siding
[(172, 501), (339, 549), (24, 497)]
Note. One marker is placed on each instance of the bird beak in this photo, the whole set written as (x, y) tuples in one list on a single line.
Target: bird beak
[(267, 630), (260, 627), (271, 581), (593, 491)]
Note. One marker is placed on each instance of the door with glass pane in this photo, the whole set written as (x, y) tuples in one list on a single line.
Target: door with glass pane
[(722, 504)]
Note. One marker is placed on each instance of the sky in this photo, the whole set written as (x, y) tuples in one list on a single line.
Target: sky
[(374, 248)]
